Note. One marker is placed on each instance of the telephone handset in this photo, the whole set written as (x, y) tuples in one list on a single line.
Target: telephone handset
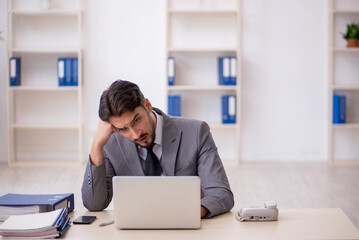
[(267, 213)]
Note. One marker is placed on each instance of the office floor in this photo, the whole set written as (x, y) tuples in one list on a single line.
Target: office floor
[(292, 185)]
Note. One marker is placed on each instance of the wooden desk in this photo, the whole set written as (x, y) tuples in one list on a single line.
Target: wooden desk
[(329, 223)]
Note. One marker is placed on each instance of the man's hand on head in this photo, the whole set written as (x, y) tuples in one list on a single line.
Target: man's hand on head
[(103, 133)]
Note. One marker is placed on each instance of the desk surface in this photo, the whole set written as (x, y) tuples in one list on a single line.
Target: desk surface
[(329, 223)]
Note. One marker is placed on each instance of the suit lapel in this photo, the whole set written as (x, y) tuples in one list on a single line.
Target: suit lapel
[(171, 138), (130, 154)]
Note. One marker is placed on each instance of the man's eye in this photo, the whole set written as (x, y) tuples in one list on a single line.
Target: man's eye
[(122, 129), (136, 120)]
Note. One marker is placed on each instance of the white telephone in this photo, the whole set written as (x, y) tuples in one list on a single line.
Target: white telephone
[(267, 213)]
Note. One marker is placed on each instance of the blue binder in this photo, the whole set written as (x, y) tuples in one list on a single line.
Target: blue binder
[(224, 70), (335, 108), (74, 69), (50, 202), (233, 71), (174, 105), (220, 71), (15, 71), (339, 109), (342, 109), (228, 109), (171, 70), (68, 71), (61, 71)]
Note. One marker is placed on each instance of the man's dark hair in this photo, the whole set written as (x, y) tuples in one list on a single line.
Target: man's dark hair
[(120, 97)]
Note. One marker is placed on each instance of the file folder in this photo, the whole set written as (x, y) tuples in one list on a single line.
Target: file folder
[(15, 71), (40, 225), (342, 109), (61, 71), (74, 69), (228, 109), (68, 71), (174, 105), (171, 71), (339, 109), (233, 71), (47, 202), (224, 70)]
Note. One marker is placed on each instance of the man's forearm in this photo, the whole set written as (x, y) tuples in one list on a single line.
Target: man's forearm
[(96, 155), (96, 191)]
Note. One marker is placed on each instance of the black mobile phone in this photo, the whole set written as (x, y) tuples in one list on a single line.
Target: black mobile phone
[(84, 219)]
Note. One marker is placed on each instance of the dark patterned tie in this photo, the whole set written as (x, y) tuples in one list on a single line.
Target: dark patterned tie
[(152, 165)]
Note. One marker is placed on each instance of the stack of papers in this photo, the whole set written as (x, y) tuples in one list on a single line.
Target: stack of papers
[(40, 225), (6, 211)]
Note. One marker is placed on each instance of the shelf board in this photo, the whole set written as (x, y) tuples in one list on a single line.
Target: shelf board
[(345, 87), (34, 162), (45, 50), (223, 126), (52, 12), (203, 88), (346, 11), (44, 88), (345, 49), (45, 126), (346, 126), (345, 161), (199, 50), (202, 11)]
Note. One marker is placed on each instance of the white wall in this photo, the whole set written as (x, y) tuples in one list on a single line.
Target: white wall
[(284, 114), (123, 40), (284, 80), (3, 85)]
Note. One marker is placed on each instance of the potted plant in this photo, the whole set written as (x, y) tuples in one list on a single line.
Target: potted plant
[(352, 35)]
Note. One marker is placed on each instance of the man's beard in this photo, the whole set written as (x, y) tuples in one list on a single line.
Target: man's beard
[(153, 130)]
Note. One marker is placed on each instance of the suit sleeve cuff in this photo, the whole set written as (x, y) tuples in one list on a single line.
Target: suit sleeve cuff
[(211, 206)]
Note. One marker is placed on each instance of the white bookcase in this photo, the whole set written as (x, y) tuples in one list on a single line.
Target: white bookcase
[(343, 78), (198, 32), (44, 119)]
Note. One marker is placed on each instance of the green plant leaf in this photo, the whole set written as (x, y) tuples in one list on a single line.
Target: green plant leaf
[(352, 31)]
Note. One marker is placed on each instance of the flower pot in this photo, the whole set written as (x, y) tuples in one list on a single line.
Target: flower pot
[(353, 42)]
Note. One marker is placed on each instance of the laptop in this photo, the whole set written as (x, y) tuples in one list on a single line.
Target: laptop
[(157, 202)]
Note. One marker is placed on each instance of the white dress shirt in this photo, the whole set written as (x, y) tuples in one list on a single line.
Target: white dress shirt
[(157, 148)]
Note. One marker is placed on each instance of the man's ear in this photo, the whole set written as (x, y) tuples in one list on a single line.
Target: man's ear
[(148, 105)]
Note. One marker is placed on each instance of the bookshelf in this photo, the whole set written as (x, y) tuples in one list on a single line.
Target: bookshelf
[(44, 119), (198, 33), (343, 79)]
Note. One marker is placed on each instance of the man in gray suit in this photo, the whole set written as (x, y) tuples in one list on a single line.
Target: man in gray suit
[(135, 139)]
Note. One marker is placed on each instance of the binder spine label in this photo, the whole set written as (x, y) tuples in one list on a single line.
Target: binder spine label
[(233, 67), (61, 69), (232, 106), (13, 68), (226, 67)]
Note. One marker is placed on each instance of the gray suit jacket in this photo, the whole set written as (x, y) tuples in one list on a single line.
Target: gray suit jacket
[(188, 149)]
